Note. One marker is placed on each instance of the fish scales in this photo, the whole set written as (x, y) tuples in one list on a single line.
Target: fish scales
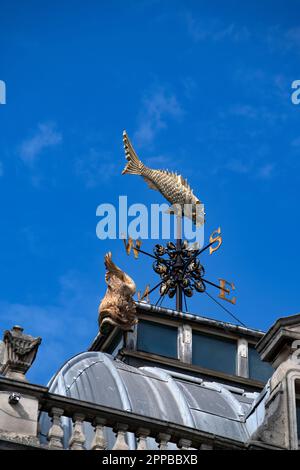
[(171, 185)]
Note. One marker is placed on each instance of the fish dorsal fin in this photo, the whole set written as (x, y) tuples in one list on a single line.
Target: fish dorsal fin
[(180, 179), (166, 172), (184, 183)]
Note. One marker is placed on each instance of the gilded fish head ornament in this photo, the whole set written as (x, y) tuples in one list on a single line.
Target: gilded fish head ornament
[(117, 308), (197, 212)]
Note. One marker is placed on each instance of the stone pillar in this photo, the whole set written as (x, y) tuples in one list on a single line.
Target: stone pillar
[(19, 353), (184, 343), (18, 413), (242, 358)]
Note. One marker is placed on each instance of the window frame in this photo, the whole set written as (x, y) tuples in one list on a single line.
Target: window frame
[(163, 324), (184, 352), (293, 382), (252, 345), (297, 404), (218, 337)]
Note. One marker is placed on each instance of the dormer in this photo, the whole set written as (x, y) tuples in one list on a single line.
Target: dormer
[(187, 343)]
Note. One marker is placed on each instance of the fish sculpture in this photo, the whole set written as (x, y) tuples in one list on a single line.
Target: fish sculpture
[(117, 308), (172, 186)]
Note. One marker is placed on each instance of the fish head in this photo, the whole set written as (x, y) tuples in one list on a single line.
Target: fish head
[(197, 212), (194, 210)]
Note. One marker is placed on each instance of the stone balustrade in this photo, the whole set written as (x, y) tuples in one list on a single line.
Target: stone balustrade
[(121, 422)]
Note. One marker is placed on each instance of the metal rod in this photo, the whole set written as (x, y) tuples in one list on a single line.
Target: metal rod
[(151, 256), (216, 285), (198, 252), (178, 248), (185, 303), (145, 253), (205, 248), (226, 310), (150, 291), (159, 302), (162, 299)]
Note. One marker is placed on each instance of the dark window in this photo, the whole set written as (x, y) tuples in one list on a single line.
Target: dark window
[(258, 370), (214, 353), (297, 390), (298, 416), (156, 338), (115, 345)]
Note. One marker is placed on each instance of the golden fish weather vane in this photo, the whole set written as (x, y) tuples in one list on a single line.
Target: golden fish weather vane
[(172, 186), (178, 265)]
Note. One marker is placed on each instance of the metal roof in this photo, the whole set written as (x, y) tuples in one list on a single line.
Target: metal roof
[(208, 406), (187, 316), (192, 319)]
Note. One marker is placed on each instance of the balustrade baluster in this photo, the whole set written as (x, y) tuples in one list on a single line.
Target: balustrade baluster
[(206, 447), (163, 440), (99, 442), (184, 444), (142, 435), (56, 433), (77, 439), (120, 430)]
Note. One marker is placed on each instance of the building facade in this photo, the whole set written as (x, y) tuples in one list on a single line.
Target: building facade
[(175, 381)]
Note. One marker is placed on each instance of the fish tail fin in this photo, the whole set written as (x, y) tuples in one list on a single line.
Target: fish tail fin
[(134, 165)]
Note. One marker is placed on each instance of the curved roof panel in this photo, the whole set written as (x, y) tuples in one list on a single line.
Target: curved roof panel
[(99, 378)]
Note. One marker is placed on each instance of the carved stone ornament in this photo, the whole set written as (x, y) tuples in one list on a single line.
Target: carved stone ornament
[(117, 307), (19, 353)]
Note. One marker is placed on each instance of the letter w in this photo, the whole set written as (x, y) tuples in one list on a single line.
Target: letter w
[(130, 245)]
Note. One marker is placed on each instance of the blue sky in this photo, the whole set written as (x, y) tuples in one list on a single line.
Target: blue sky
[(203, 88)]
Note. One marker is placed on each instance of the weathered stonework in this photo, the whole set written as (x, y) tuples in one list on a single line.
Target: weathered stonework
[(19, 439), (18, 413), (278, 347), (273, 408), (18, 353), (19, 421)]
